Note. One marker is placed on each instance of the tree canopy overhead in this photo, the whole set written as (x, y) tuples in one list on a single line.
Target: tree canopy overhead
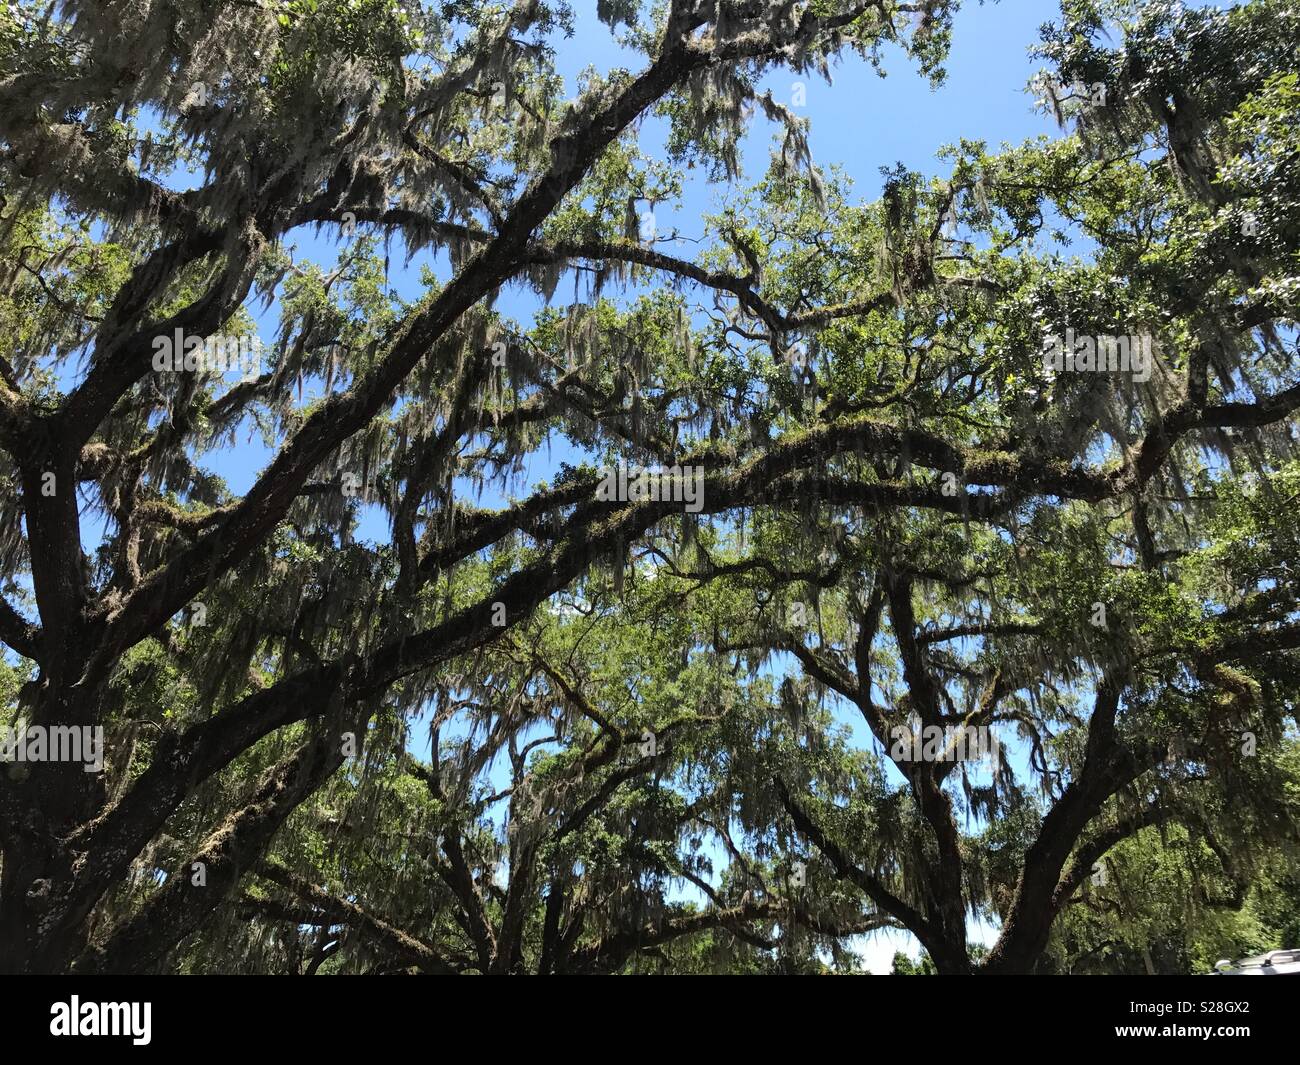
[(565, 732)]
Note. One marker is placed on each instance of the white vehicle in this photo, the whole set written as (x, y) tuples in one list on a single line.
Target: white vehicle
[(1275, 963)]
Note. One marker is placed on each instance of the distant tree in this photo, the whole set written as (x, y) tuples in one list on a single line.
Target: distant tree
[(1177, 898), (904, 966)]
